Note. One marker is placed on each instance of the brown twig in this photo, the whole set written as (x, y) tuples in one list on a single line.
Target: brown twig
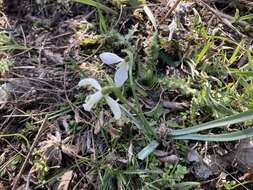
[(226, 19), (170, 11), (16, 180)]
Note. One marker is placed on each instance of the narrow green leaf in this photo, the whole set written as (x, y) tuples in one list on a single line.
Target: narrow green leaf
[(242, 73), (234, 57), (13, 47), (17, 135), (148, 130), (203, 51), (239, 135), (136, 3), (237, 14), (102, 22), (150, 16), (246, 17), (148, 150), (250, 59), (218, 106), (237, 118), (133, 119), (141, 172), (97, 5)]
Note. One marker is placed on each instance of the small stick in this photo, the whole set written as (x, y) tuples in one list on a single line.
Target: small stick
[(170, 11), (16, 180), (223, 18)]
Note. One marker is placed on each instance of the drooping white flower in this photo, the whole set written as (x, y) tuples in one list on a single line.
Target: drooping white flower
[(121, 74), (93, 99), (110, 58)]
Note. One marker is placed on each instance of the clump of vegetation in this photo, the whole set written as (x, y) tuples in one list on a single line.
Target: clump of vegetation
[(5, 65), (131, 96)]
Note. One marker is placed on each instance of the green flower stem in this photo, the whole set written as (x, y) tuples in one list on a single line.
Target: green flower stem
[(118, 93), (147, 129), (116, 90), (108, 89)]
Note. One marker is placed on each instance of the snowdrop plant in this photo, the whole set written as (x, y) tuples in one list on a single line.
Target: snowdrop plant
[(93, 99), (121, 74)]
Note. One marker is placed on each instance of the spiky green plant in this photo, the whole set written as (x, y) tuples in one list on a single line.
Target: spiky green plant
[(5, 65)]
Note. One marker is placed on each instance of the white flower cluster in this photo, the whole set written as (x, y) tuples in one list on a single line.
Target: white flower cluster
[(120, 78)]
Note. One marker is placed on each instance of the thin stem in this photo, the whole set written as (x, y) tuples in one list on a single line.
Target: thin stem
[(174, 6), (116, 90), (17, 135), (16, 180), (148, 130)]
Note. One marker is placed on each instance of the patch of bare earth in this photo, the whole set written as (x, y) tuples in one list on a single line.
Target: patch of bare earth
[(40, 82)]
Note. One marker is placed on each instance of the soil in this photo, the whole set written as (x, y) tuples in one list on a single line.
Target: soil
[(43, 84)]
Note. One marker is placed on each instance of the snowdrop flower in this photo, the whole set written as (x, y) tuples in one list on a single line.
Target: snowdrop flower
[(92, 99), (121, 74)]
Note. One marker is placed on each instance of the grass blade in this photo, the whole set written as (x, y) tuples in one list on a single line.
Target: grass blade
[(142, 172), (13, 47), (17, 135), (250, 59), (242, 73), (203, 51), (239, 135), (246, 17), (234, 56), (102, 22), (148, 150), (237, 118), (97, 5), (148, 130), (133, 119), (150, 16)]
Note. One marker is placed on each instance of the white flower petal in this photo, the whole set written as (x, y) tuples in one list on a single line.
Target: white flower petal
[(110, 58), (89, 81), (114, 105), (121, 74), (92, 100)]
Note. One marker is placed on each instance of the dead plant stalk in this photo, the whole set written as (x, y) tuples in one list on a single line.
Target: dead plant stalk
[(174, 6), (16, 180)]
